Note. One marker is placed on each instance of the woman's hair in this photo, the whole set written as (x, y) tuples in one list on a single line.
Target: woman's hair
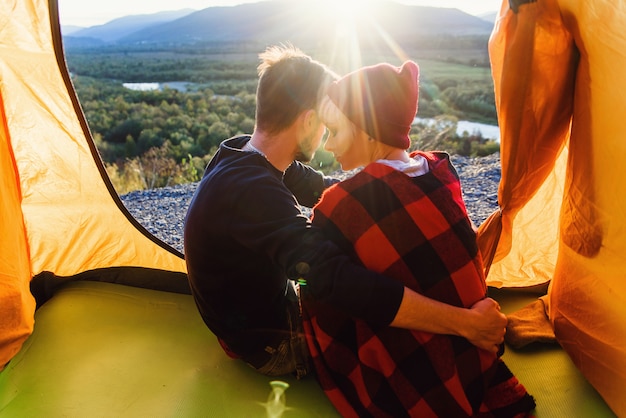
[(290, 82)]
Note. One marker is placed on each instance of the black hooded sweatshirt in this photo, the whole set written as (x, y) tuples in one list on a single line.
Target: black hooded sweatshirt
[(245, 237)]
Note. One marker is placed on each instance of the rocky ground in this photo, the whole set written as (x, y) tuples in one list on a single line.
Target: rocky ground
[(162, 211)]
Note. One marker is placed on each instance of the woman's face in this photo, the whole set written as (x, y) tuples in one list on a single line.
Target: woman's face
[(349, 145)]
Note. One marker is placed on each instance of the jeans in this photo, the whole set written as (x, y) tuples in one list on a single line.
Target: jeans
[(292, 354)]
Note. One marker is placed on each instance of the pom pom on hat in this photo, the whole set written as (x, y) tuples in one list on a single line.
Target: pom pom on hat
[(380, 100)]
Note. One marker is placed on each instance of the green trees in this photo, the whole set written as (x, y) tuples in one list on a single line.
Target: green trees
[(442, 134), (164, 137), (470, 99), (159, 134)]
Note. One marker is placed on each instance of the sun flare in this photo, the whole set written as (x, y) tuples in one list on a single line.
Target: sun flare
[(348, 10), (352, 23)]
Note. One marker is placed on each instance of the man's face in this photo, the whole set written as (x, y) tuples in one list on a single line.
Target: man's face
[(310, 142)]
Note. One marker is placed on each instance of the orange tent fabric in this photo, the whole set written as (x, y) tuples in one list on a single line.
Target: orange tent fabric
[(558, 68), (16, 303), (559, 73), (59, 212)]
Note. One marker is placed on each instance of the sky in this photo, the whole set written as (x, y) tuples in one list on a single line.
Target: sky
[(87, 13)]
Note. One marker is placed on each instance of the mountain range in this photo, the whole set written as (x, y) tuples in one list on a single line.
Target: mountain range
[(272, 21)]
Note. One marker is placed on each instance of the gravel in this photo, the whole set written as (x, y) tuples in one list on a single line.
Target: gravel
[(162, 211)]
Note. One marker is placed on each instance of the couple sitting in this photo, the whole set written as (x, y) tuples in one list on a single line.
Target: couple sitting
[(395, 319)]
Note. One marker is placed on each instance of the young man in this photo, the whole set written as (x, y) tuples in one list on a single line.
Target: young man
[(247, 241)]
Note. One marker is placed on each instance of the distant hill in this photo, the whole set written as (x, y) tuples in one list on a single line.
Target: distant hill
[(70, 29), (489, 17), (302, 22), (124, 26)]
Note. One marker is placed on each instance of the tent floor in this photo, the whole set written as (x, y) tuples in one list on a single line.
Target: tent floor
[(107, 350)]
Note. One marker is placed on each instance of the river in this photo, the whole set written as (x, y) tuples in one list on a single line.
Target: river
[(175, 85), (486, 130)]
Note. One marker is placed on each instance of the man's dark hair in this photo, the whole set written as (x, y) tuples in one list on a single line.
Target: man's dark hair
[(290, 82)]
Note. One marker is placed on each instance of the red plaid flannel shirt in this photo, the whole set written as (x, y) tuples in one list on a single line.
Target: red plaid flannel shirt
[(415, 230)]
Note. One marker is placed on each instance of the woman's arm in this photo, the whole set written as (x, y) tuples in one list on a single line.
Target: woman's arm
[(483, 324)]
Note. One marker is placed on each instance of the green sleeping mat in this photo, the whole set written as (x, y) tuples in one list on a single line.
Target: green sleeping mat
[(109, 350)]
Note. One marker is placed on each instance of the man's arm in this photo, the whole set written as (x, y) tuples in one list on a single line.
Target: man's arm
[(306, 184), (333, 279), (483, 325)]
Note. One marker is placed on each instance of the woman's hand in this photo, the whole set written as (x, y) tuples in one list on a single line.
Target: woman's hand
[(487, 325)]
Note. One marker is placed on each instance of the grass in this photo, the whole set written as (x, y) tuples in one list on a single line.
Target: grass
[(440, 69)]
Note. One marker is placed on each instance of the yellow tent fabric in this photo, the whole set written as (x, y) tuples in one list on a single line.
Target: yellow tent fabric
[(558, 68), (59, 210)]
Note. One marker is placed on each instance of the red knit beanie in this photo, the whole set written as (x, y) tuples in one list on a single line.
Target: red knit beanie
[(381, 100)]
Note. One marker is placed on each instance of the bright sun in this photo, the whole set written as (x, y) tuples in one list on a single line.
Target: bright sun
[(345, 16), (349, 20), (348, 9)]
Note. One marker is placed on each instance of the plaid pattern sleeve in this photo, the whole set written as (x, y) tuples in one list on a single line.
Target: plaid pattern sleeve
[(415, 230)]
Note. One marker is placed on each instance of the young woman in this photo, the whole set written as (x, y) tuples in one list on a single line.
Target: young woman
[(402, 215)]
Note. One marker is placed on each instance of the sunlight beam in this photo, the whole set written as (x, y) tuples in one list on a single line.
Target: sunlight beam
[(350, 21)]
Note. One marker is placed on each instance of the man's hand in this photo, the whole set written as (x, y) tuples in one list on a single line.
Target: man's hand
[(488, 325)]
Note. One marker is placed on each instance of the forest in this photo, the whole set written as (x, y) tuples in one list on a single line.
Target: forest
[(166, 136)]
